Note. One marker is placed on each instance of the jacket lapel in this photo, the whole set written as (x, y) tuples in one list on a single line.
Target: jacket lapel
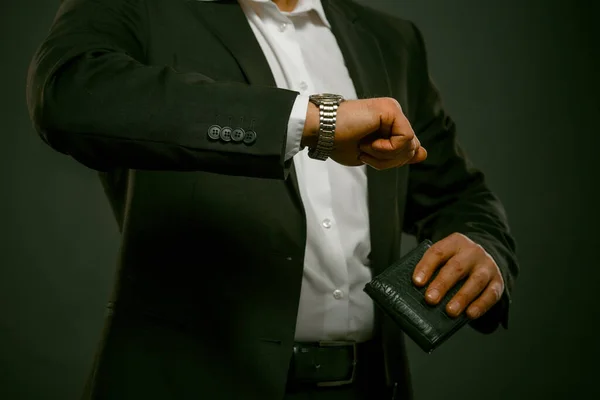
[(220, 17), (227, 21), (361, 51), (366, 67)]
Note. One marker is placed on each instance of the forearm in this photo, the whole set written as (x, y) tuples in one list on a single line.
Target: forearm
[(447, 194), (111, 111)]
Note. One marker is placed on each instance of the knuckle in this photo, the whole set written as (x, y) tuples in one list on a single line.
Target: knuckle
[(458, 236), (490, 260), (388, 113), (497, 289), (393, 102), (477, 247), (484, 256), (496, 295), (457, 266), (474, 251), (410, 139), (436, 251), (481, 276)]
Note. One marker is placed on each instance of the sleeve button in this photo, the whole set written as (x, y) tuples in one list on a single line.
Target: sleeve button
[(238, 135), (250, 137), (226, 134), (214, 132)]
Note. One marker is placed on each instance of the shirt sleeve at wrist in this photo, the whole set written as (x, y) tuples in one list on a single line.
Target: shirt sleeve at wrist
[(296, 126)]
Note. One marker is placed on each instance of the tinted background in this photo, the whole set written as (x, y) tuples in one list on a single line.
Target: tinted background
[(519, 78)]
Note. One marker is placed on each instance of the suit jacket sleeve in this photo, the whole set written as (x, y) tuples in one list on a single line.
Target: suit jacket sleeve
[(447, 194), (91, 95)]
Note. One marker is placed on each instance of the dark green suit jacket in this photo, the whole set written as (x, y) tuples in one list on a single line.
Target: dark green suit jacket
[(213, 233)]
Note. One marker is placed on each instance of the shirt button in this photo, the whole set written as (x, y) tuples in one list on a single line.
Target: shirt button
[(303, 86), (326, 223), (283, 27), (338, 294)]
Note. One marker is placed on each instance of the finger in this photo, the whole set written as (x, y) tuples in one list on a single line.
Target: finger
[(378, 154), (434, 257), (390, 149), (455, 269), (401, 125), (391, 115), (420, 156), (420, 153), (398, 143), (473, 287), (379, 164), (490, 296), (397, 134)]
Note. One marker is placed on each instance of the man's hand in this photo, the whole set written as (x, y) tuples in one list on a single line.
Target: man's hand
[(371, 131), (459, 258)]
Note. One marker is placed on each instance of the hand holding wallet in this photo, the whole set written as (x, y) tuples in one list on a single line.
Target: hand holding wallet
[(395, 293)]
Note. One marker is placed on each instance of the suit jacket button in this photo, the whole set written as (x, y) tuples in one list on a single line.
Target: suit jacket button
[(226, 134), (250, 137), (214, 132), (238, 135)]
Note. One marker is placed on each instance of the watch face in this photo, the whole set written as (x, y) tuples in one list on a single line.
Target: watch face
[(329, 97)]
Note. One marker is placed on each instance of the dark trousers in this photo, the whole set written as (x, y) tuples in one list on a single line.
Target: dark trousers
[(143, 359)]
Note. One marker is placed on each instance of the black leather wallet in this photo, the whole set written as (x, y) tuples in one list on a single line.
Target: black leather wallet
[(394, 292)]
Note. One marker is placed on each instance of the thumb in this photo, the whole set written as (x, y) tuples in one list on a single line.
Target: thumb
[(420, 155), (391, 143), (382, 144)]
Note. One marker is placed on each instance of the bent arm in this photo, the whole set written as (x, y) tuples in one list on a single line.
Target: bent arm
[(447, 194), (91, 96)]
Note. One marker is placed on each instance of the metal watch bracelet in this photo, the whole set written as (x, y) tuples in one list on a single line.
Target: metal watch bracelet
[(328, 106)]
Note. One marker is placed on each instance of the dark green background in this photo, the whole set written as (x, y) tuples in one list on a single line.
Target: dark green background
[(520, 79)]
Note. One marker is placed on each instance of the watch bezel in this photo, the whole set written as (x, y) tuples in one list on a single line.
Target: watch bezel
[(326, 97)]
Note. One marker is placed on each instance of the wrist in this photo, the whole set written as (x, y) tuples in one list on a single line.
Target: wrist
[(310, 133)]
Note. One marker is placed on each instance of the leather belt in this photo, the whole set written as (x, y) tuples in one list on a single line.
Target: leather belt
[(328, 363)]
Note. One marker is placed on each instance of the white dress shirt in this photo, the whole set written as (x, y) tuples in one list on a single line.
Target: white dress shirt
[(304, 56)]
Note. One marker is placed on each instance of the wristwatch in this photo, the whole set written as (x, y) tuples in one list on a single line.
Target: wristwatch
[(328, 105)]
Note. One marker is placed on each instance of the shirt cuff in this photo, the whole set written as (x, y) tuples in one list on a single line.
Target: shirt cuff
[(296, 126)]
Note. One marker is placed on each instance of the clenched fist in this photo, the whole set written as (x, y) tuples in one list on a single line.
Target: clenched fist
[(370, 131)]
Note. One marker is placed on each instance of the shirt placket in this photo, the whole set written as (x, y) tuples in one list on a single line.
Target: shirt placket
[(328, 246), (295, 72)]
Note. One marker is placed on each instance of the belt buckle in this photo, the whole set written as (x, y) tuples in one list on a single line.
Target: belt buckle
[(339, 343)]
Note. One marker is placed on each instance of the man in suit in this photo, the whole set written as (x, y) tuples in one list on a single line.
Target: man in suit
[(252, 210)]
